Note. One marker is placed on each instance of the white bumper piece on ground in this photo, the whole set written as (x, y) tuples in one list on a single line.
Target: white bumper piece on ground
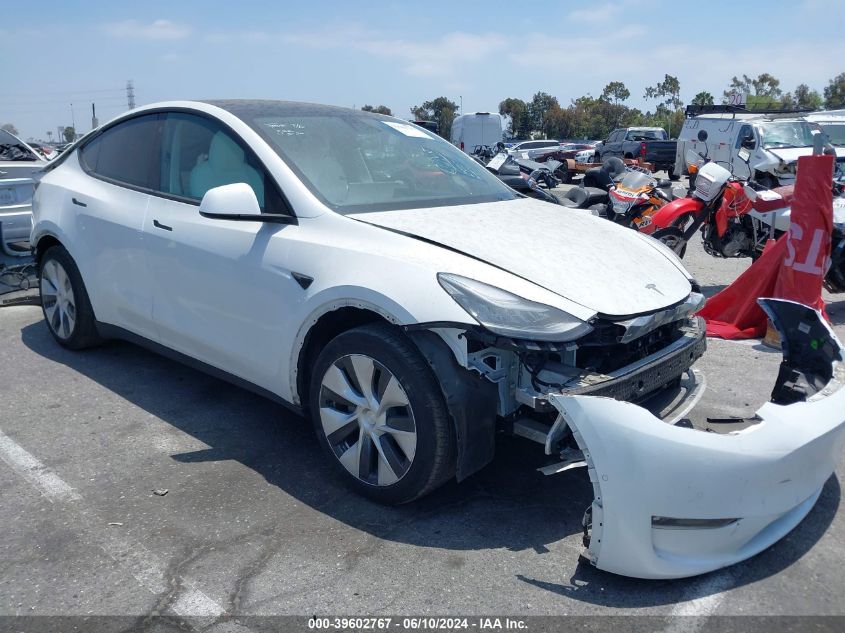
[(672, 501)]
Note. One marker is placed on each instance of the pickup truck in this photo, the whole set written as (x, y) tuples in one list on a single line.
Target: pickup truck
[(652, 144)]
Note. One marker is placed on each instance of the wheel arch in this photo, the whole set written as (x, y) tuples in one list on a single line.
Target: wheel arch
[(44, 242), (325, 324)]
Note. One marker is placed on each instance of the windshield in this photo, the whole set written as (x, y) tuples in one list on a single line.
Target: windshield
[(635, 180), (777, 134), (646, 135), (835, 132), (358, 162)]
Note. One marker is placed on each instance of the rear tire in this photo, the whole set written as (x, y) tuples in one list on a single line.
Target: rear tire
[(64, 301), (389, 433)]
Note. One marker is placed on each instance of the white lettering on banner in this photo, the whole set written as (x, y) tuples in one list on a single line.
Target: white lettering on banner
[(796, 233)]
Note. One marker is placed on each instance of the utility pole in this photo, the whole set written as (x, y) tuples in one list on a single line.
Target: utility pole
[(94, 122), (130, 94), (72, 117)]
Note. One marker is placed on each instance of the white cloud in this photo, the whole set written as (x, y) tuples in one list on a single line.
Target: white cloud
[(156, 30), (598, 13), (442, 57)]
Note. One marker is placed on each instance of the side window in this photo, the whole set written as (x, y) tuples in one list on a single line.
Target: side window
[(197, 154), (746, 132), (125, 153)]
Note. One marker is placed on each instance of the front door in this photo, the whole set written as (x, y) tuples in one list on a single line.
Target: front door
[(221, 290)]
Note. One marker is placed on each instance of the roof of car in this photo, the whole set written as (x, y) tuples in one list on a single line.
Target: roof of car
[(264, 107)]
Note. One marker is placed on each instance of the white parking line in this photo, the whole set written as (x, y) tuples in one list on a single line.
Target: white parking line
[(147, 568), (712, 590), (26, 465)]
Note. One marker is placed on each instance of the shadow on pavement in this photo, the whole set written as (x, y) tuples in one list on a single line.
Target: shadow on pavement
[(507, 505)]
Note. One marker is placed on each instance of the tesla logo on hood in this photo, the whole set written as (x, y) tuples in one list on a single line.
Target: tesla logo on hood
[(653, 287)]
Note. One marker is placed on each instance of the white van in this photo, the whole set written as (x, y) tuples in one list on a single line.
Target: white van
[(774, 141), (476, 128)]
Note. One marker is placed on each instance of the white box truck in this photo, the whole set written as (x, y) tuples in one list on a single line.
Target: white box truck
[(474, 129)]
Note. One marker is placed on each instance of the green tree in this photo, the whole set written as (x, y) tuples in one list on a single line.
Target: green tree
[(382, 109), (615, 91), (70, 134), (804, 97), (10, 128), (765, 85), (702, 98), (519, 124), (834, 93), (541, 104), (441, 110), (669, 90), (668, 110)]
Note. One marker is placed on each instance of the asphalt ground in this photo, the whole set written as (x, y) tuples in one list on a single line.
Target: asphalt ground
[(254, 521)]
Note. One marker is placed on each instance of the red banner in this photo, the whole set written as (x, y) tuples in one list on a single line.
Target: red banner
[(792, 268), (808, 241)]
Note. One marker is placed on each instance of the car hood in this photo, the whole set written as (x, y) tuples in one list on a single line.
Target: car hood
[(605, 267), (791, 154)]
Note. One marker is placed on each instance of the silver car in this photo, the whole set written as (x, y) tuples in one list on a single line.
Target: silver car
[(18, 165)]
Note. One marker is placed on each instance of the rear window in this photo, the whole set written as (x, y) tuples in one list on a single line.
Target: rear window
[(126, 153), (647, 135)]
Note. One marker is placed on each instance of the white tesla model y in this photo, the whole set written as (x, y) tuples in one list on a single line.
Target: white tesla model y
[(362, 270)]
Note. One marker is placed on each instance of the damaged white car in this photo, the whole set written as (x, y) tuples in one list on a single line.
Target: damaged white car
[(364, 271)]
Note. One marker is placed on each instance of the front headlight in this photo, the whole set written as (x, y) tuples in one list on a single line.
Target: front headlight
[(510, 315)]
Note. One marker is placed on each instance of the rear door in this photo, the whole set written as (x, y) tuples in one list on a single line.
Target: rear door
[(109, 207)]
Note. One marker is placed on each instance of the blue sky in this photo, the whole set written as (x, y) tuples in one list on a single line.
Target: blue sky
[(352, 53)]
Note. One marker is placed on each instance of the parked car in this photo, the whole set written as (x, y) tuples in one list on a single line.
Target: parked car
[(774, 141), (476, 129), (531, 150), (360, 269), (651, 144), (18, 165)]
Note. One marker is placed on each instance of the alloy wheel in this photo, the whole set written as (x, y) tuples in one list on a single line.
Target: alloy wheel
[(58, 299), (367, 419)]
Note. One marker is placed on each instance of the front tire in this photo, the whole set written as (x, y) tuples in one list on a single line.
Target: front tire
[(64, 301), (379, 413), (673, 238)]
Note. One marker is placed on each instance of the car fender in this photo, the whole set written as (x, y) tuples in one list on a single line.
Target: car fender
[(668, 214)]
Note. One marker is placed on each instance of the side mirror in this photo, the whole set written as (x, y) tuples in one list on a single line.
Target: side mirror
[(664, 182), (237, 202), (743, 154)]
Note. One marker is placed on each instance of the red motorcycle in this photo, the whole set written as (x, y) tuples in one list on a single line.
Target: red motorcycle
[(735, 217)]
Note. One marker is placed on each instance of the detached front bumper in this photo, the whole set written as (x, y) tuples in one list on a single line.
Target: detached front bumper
[(672, 501)]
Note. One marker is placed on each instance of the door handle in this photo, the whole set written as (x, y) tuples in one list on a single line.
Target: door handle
[(78, 203), (159, 225)]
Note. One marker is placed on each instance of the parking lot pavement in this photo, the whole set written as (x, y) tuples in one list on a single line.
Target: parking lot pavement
[(255, 522)]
